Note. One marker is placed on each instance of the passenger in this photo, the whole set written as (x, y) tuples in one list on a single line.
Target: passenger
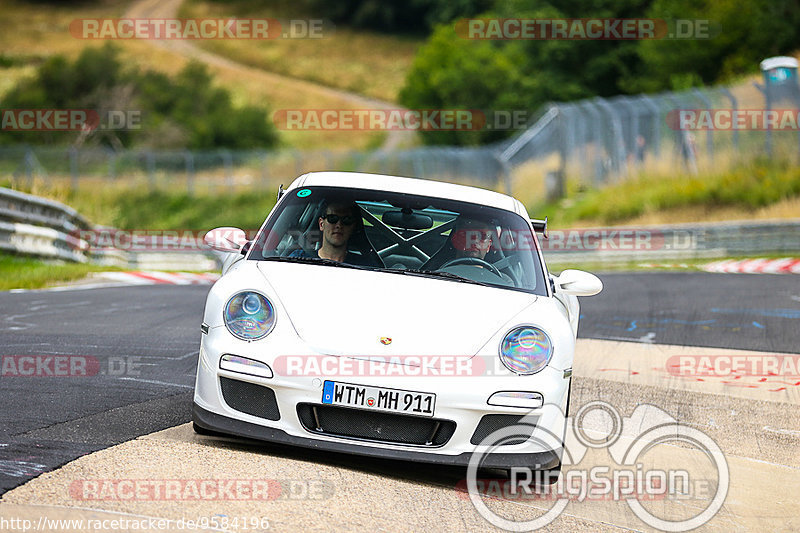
[(472, 238)]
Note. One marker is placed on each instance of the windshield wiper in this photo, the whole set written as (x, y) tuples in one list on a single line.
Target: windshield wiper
[(438, 274), (313, 260)]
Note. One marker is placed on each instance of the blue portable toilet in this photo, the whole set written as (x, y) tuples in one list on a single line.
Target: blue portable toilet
[(780, 79)]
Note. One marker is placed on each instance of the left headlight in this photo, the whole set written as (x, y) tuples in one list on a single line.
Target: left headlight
[(526, 350), (249, 316)]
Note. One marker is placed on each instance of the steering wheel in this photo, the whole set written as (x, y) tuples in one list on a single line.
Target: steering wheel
[(472, 261)]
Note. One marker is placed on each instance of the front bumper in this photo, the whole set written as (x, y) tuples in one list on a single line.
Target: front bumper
[(215, 422), (462, 401)]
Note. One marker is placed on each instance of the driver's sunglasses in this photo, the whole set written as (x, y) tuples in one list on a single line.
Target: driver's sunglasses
[(482, 235), (347, 220)]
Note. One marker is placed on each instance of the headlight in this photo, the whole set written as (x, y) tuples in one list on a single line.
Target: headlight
[(526, 350), (249, 316)]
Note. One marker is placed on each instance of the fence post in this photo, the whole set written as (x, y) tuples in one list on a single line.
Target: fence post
[(617, 144), (710, 132), (656, 141), (73, 167), (734, 108), (561, 143), (417, 164), (112, 164), (265, 167), (687, 143), (189, 158), (768, 106), (151, 169), (227, 162), (597, 140), (29, 159), (298, 163)]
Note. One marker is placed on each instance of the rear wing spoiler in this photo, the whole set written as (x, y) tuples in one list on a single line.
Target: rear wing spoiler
[(540, 226)]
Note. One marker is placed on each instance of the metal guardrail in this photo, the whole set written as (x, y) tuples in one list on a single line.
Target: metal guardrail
[(37, 226), (672, 242)]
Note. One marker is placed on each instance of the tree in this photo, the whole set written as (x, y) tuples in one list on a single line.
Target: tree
[(742, 33), (187, 111)]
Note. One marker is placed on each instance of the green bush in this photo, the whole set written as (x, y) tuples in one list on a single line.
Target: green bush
[(186, 111)]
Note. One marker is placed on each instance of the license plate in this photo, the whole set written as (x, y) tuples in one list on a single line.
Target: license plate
[(378, 398)]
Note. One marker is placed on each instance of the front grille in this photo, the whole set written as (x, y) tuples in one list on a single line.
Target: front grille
[(491, 423), (375, 426), (250, 398)]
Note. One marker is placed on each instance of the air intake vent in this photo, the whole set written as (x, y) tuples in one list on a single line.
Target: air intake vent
[(491, 423), (250, 398), (375, 426)]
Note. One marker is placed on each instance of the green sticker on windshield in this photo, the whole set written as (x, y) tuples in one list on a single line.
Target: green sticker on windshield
[(302, 193)]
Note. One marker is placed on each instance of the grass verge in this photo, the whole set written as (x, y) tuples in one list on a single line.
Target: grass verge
[(363, 62), (748, 190), (17, 272), (140, 209)]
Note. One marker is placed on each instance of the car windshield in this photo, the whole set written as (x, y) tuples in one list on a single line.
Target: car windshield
[(403, 234)]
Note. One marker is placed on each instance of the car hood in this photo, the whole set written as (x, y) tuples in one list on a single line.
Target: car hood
[(343, 311)]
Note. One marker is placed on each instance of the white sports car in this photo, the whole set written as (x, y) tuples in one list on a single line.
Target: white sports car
[(390, 317)]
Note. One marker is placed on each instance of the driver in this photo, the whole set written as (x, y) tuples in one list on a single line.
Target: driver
[(337, 226)]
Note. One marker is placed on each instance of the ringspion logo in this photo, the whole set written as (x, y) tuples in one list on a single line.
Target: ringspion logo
[(701, 485)]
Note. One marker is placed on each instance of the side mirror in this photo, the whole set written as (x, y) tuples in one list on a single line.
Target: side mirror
[(578, 283), (225, 239)]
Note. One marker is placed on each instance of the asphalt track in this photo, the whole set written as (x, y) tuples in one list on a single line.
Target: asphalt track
[(144, 341), (744, 311)]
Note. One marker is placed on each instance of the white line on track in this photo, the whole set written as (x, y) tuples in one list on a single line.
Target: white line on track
[(792, 432), (155, 382)]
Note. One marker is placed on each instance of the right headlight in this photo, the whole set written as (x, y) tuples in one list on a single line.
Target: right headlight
[(526, 350), (249, 316)]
